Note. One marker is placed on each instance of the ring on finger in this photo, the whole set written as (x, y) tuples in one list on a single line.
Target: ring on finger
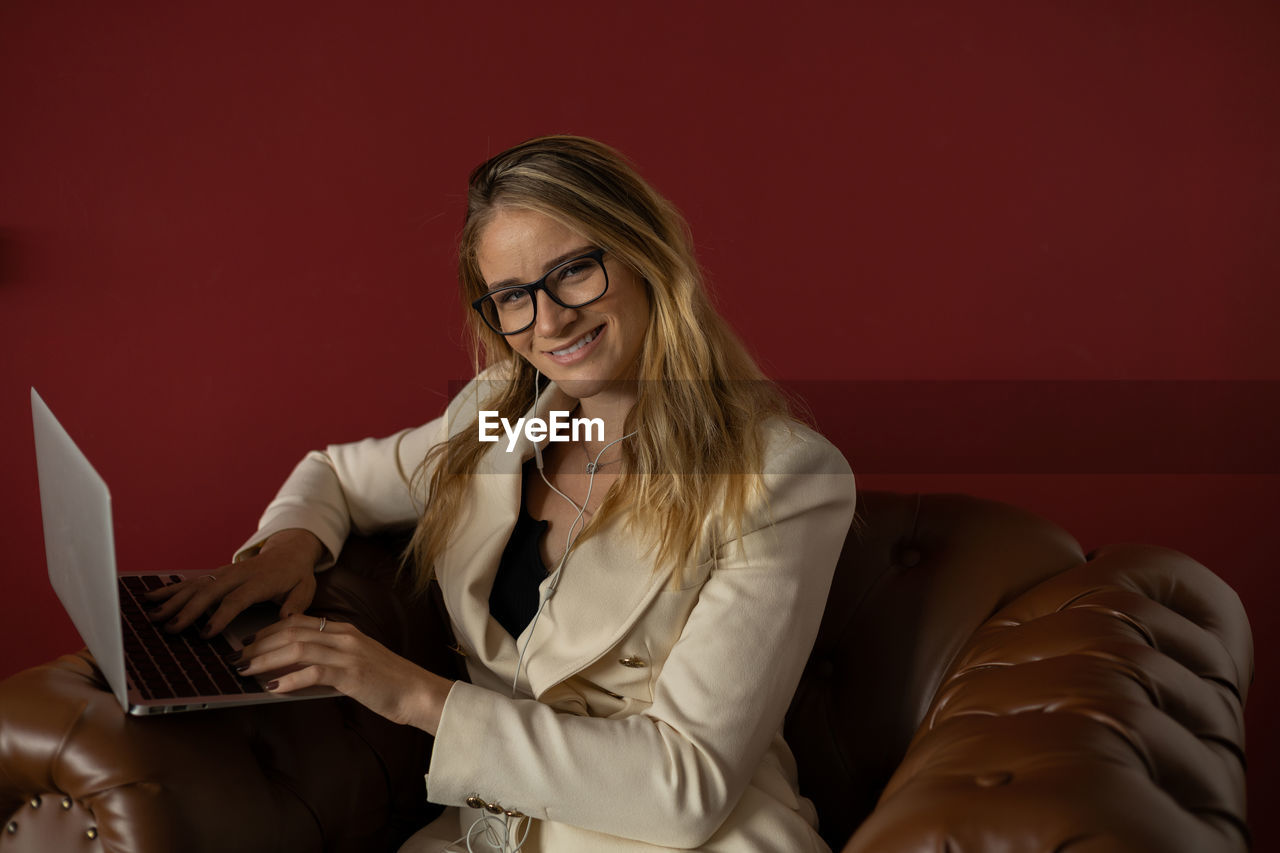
[(212, 577), (324, 620)]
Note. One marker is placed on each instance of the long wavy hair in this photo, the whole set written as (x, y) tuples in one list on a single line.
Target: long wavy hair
[(698, 448)]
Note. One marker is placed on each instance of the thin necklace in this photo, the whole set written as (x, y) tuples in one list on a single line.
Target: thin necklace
[(594, 466)]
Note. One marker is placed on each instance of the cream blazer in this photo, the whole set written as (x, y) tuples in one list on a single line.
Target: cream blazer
[(647, 715)]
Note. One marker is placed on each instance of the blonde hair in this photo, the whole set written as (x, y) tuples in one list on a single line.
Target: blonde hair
[(698, 448)]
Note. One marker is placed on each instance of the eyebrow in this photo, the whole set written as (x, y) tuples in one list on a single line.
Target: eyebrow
[(546, 268)]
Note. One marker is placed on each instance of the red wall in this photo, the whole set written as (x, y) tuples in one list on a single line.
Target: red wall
[(226, 236)]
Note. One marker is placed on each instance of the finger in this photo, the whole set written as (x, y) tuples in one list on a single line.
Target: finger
[(292, 630), (164, 592), (301, 622), (290, 655), (299, 598), (232, 605), (179, 596), (168, 590), (308, 676), (174, 595), (201, 600)]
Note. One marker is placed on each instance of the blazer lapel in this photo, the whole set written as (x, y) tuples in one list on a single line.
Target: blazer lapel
[(605, 587)]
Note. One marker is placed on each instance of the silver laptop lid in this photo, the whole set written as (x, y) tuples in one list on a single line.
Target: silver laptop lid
[(79, 544)]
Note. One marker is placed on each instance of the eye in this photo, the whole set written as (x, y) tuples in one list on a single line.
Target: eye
[(510, 298), (575, 270)]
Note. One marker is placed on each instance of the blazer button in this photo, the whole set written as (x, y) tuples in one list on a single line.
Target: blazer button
[(475, 802), (633, 662)]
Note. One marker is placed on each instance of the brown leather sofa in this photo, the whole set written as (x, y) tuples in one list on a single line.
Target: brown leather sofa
[(978, 684)]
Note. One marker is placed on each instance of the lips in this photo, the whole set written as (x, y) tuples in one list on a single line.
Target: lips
[(578, 348)]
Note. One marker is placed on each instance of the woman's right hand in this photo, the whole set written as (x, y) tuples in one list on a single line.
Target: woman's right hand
[(282, 571)]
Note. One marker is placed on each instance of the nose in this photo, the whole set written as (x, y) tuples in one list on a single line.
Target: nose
[(552, 318)]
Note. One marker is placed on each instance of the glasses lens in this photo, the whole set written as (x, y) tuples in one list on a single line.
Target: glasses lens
[(572, 284), (578, 282), (508, 311)]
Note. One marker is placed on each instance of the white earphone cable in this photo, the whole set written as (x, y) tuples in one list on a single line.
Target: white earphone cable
[(497, 829), (497, 834), (570, 538)]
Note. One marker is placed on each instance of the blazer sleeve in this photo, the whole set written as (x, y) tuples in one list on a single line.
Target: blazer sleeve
[(361, 487), (672, 774)]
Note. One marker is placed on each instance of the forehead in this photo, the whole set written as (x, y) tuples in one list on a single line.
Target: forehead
[(518, 243)]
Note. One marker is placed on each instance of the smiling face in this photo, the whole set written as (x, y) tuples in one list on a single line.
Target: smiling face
[(588, 351)]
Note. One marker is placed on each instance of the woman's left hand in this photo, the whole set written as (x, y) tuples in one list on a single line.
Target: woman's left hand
[(313, 651)]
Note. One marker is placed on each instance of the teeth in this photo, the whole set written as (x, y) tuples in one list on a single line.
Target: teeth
[(586, 339)]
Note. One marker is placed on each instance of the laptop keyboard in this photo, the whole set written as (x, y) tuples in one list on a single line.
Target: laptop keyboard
[(171, 666)]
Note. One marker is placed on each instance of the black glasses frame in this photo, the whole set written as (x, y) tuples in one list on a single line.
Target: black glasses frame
[(533, 287)]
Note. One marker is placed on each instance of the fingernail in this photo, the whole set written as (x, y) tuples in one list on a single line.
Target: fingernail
[(247, 640), (235, 656), (241, 667), (171, 625), (272, 685)]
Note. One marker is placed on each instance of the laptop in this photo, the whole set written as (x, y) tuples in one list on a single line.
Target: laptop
[(149, 670)]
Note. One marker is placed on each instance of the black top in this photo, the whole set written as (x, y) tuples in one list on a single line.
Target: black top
[(514, 598)]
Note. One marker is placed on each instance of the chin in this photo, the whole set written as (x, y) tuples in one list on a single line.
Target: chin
[(580, 388)]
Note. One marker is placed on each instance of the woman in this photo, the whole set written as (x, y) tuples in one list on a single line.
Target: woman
[(635, 604)]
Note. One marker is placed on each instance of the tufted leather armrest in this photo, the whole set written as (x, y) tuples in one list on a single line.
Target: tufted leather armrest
[(77, 773), (982, 683), (1101, 710)]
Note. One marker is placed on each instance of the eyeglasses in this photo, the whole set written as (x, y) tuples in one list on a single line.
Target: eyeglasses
[(572, 284)]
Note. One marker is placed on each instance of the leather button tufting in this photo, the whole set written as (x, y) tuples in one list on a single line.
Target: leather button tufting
[(92, 833), (825, 669), (12, 827), (35, 802), (909, 557), (993, 780), (66, 803)]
